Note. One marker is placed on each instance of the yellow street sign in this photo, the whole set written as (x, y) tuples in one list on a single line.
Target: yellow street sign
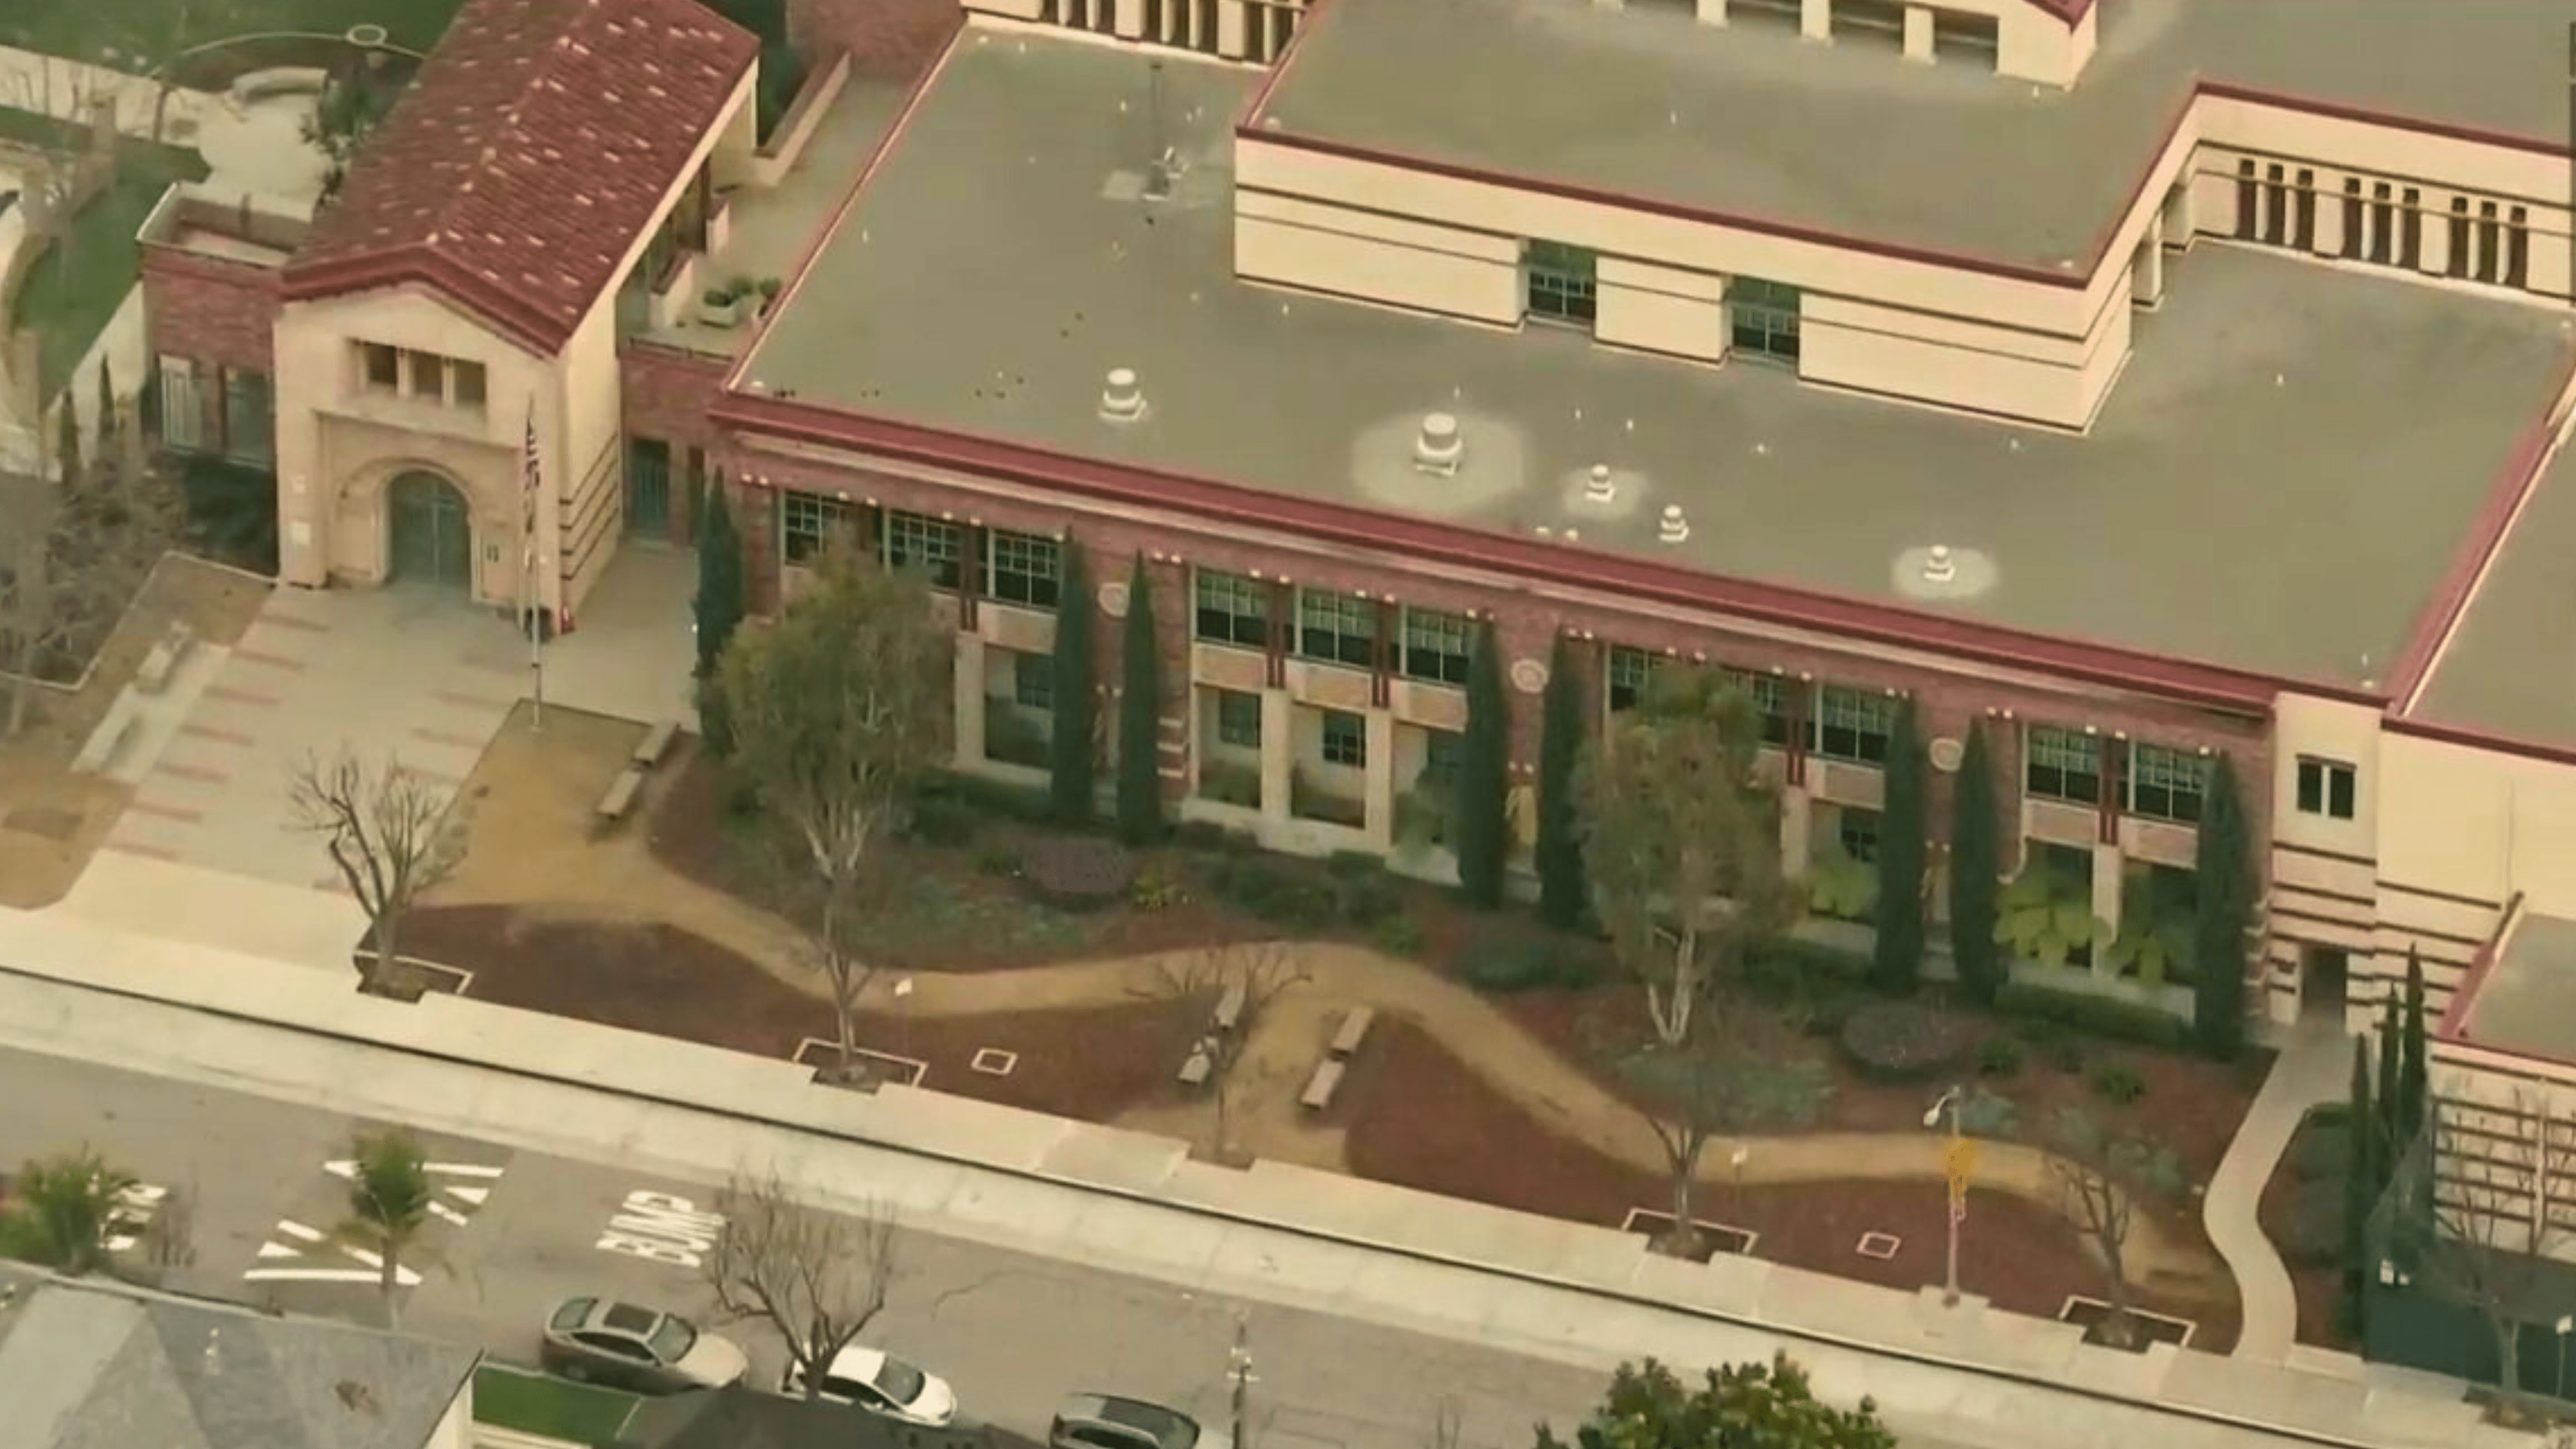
[(1960, 1160)]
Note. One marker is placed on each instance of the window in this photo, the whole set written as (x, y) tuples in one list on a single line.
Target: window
[(1027, 569), (2459, 259), (1563, 282), (1233, 609), (1336, 627), (1238, 719), (1631, 672), (2166, 784), (1853, 725), (808, 521), (1345, 739), (2490, 248), (2276, 215), (1033, 681), (183, 412), (2249, 200), (2326, 788), (1443, 751), (1856, 831), (2383, 221), (429, 376), (2517, 248), (250, 422), (2063, 765), (2352, 218), (1763, 318), (380, 366), (2410, 235), (1435, 645), (2303, 225), (466, 379), (928, 544), (1770, 701)]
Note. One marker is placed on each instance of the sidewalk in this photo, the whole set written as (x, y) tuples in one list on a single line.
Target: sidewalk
[(2309, 1070), (1564, 1291)]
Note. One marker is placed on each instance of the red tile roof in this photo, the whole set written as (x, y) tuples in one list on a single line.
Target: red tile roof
[(526, 158)]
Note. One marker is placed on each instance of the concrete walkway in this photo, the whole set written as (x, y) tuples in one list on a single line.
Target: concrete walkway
[(2313, 1067)]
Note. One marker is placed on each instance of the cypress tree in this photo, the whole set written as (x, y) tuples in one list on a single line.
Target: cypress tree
[(67, 456), (2360, 1192), (1898, 962), (1976, 863), (1072, 750), (1480, 808), (2225, 869), (1561, 891), (1140, 709), (2386, 1118), (106, 405), (2414, 1089), (721, 587)]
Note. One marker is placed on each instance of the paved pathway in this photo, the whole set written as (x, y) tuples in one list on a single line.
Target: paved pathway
[(2312, 1068)]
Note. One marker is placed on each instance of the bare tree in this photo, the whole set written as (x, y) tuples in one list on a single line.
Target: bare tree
[(1682, 840), (817, 1278), (2100, 1176), (1711, 1086), (65, 164), (167, 1243), (2479, 1206), (390, 837), (837, 712), (1241, 980)]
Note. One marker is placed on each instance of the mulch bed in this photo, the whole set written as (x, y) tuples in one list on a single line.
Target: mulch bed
[(1092, 1064), (2317, 1286), (1418, 1117)]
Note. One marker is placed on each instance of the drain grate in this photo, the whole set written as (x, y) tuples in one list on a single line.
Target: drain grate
[(993, 1061), (1880, 1247)]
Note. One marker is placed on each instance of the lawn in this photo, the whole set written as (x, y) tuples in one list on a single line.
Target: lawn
[(534, 1404), (69, 305), (117, 32)]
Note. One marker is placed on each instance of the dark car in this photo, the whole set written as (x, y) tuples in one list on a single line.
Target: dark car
[(596, 1340), (1106, 1421)]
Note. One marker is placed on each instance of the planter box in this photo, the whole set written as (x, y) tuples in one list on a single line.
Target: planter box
[(728, 314)]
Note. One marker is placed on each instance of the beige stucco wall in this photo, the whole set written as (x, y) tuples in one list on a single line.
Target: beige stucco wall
[(2477, 823), (455, 1427)]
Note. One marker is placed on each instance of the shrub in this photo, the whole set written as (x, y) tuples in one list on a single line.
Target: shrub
[(1027, 804), (2119, 1085), (1998, 1056), (1269, 890), (1902, 1041), (1822, 1008), (2316, 1224), (1157, 889), (1580, 964), (1363, 896), (997, 860), (940, 820), (1399, 936), (1781, 971), (1503, 965), (2329, 1114), (2101, 1016), (1353, 865), (2067, 1056), (1986, 1113), (2323, 1149), (1078, 872)]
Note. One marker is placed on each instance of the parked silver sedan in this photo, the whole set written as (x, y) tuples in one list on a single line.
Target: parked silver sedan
[(598, 1340)]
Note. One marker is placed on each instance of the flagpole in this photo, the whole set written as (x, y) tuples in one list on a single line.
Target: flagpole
[(531, 590)]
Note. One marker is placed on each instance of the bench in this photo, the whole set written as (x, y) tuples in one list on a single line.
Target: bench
[(105, 742), (1229, 1007), (1200, 1066), (282, 80), (657, 743), (1354, 1030), (163, 659), (1321, 1086), (621, 796)]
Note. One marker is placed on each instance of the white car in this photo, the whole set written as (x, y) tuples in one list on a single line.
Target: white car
[(881, 1383)]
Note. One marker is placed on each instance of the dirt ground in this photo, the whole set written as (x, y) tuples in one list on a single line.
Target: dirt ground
[(1415, 1116), (2317, 1286), (52, 821)]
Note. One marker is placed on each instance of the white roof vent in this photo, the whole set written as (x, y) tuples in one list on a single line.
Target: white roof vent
[(1674, 528), (1123, 400), (1438, 448), (1598, 486), (1939, 567)]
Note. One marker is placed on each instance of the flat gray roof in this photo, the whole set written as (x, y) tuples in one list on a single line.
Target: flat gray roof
[(2511, 667), (2528, 1001), (2278, 482), (1749, 120)]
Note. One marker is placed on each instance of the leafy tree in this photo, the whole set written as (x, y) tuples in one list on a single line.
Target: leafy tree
[(1976, 869), (1073, 747), (1561, 892), (390, 1196), (1481, 803), (2224, 866), (1898, 960), (343, 117), (1140, 715), (723, 593), (1741, 1406), (1681, 836), (838, 712), (2100, 1176), (1710, 1085), (2414, 1089), (62, 1212), (2360, 1193)]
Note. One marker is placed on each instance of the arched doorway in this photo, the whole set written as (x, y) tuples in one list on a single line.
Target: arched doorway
[(430, 535)]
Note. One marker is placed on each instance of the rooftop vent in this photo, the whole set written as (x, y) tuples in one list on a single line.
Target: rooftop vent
[(1674, 528), (1597, 485), (1123, 400), (1438, 448), (1939, 567)]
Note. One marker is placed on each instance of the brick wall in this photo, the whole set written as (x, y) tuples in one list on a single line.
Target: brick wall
[(666, 393), (216, 311), (887, 38)]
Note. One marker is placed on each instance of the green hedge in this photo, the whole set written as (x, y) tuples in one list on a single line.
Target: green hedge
[(2100, 1016)]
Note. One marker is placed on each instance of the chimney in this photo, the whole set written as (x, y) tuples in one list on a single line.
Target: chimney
[(1123, 400), (1674, 528), (1438, 448)]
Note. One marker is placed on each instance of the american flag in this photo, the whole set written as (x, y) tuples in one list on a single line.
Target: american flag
[(535, 597)]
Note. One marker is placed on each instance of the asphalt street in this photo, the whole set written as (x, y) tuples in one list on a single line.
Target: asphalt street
[(518, 1232)]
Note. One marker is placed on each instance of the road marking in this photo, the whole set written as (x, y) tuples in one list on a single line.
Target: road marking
[(473, 1196), (661, 1228), (136, 1205), (298, 1230), (442, 1210)]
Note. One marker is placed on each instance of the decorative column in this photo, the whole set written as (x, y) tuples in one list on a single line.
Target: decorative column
[(970, 573), (1918, 34), (1383, 656)]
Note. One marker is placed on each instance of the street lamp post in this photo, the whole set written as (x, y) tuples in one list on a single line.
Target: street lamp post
[(1240, 1370), (1955, 1163)]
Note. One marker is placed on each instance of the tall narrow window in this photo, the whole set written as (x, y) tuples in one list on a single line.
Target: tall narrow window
[(929, 544), (1562, 282), (1233, 609), (2063, 764), (809, 523), (1203, 36), (2352, 224), (1028, 568), (2276, 209), (2303, 218), (2517, 248), (466, 386), (2410, 233), (380, 366), (1436, 644), (2458, 263), (2490, 241), (1336, 627), (183, 410), (250, 422), (2383, 223), (2166, 784), (1631, 671), (1854, 725), (2249, 200), (429, 376)]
